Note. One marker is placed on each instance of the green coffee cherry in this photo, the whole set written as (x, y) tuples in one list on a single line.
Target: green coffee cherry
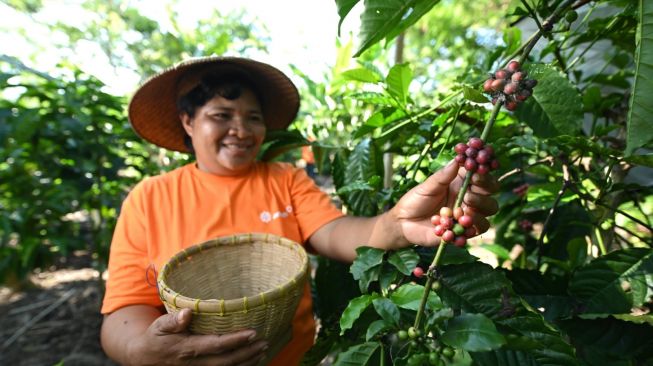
[(402, 335), (571, 16)]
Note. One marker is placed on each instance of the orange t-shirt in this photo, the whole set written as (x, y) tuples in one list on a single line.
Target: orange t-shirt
[(164, 214)]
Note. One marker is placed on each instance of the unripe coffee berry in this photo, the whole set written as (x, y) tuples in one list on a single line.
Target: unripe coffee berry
[(458, 213), (446, 211)]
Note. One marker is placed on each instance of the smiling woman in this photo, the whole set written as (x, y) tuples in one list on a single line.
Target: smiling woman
[(221, 107)]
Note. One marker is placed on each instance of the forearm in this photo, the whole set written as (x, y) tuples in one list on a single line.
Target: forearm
[(122, 327), (343, 236)]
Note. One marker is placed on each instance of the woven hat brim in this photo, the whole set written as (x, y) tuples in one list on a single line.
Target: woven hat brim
[(153, 110)]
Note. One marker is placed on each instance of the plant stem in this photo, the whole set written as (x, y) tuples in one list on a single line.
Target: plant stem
[(459, 200), (525, 51)]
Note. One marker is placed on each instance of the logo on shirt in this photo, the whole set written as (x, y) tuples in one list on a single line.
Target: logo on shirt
[(267, 216)]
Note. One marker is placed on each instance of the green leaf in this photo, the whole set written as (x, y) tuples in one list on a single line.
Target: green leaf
[(617, 338), (358, 355), (640, 133), (378, 99), (362, 74), (601, 285), (354, 310), (387, 18), (645, 160), (454, 255), (544, 292), (363, 163), (405, 260), (375, 328), (475, 288), (388, 311), (398, 81), (474, 95), (344, 7), (555, 108), (334, 287), (409, 296), (367, 266), (279, 141), (473, 333), (547, 345)]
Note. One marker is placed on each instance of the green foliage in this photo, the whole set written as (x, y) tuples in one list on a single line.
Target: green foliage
[(641, 107), (575, 241)]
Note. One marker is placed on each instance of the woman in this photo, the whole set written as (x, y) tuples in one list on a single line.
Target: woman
[(220, 108)]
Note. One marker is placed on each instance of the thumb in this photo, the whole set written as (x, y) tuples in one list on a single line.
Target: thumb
[(174, 323), (442, 178)]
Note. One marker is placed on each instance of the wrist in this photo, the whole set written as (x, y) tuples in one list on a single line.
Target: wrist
[(394, 236)]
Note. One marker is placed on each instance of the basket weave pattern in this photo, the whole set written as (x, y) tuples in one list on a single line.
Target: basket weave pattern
[(246, 281)]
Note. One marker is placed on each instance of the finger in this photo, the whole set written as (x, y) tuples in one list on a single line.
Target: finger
[(484, 184), (481, 224), (441, 179), (251, 354), (216, 344), (481, 204), (173, 323)]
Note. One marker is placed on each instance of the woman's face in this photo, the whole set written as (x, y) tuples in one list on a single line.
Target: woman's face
[(226, 134)]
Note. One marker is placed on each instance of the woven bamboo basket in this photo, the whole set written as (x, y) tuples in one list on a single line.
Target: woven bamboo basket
[(246, 281)]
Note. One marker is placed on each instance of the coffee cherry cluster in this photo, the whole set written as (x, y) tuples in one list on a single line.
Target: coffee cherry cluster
[(476, 156), (453, 226), (510, 86)]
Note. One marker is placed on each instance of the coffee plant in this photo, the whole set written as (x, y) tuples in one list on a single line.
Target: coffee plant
[(568, 277)]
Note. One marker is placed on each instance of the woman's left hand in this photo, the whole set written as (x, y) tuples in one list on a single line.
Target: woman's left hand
[(414, 210)]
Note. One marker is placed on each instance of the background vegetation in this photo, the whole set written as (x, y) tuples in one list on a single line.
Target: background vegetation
[(565, 276)]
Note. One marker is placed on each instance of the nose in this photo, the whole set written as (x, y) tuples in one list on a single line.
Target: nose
[(240, 127)]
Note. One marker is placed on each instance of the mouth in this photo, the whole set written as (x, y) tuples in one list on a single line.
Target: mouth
[(237, 147)]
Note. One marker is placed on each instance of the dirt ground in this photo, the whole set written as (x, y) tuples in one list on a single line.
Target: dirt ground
[(54, 322)]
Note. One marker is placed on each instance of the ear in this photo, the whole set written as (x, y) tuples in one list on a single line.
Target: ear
[(187, 123)]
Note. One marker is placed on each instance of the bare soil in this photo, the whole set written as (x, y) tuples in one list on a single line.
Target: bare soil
[(55, 321)]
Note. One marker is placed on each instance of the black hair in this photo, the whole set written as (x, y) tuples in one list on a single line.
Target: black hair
[(227, 86)]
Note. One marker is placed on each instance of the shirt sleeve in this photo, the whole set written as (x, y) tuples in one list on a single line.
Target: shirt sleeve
[(131, 279), (313, 207)]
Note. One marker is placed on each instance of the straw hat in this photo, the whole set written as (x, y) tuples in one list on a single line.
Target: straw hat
[(153, 108)]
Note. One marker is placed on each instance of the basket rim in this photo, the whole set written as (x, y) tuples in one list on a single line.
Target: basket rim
[(224, 307)]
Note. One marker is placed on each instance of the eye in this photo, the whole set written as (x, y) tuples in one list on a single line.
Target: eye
[(221, 116), (256, 118)]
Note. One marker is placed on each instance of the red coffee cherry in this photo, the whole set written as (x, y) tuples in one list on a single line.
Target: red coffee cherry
[(471, 152), (501, 74), (448, 236), (471, 165), (487, 86), (510, 88), (476, 143), (460, 241), (460, 148), (513, 66), (465, 221), (483, 156), (418, 272), (483, 169)]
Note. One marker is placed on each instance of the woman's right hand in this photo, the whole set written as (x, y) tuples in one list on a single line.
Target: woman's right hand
[(166, 341)]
